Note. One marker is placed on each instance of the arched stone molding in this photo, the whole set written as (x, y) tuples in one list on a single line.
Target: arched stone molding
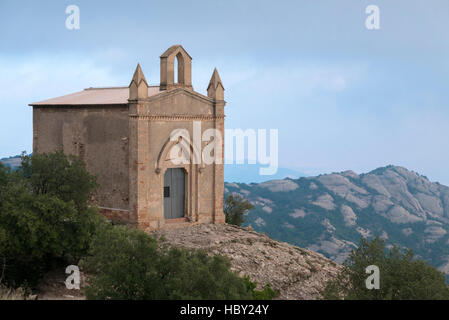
[(192, 169)]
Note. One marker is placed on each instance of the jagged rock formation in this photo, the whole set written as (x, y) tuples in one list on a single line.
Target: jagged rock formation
[(294, 272), (330, 213)]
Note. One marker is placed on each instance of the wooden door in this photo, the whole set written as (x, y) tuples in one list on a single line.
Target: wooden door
[(174, 193)]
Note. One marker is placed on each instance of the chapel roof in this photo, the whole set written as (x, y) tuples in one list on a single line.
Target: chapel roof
[(95, 96)]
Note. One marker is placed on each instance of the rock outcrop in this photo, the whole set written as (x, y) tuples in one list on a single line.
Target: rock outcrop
[(294, 272)]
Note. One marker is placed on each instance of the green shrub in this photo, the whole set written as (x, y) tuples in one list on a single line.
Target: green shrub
[(60, 175), (44, 226), (265, 294), (235, 208), (129, 264), (401, 276)]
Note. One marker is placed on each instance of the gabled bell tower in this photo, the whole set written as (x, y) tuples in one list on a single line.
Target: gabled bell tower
[(184, 60)]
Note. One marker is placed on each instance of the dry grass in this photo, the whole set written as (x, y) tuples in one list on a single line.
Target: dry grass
[(12, 294)]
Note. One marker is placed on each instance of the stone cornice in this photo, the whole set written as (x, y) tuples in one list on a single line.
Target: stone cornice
[(178, 117)]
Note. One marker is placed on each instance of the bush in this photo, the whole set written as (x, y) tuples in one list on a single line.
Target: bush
[(57, 174), (401, 276), (265, 294), (129, 264), (235, 208), (45, 219)]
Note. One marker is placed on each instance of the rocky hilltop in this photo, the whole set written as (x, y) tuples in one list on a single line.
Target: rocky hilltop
[(330, 213), (294, 272)]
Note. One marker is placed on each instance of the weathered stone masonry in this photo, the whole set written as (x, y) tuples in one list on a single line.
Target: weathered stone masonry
[(123, 135)]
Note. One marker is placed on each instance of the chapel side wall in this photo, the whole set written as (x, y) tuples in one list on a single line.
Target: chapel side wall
[(99, 136)]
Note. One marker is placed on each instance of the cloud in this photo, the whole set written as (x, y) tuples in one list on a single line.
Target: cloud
[(49, 75), (29, 78)]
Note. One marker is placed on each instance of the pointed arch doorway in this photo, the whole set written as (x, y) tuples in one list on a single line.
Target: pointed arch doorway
[(174, 193)]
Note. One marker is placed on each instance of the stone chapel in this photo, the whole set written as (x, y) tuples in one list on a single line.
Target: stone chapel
[(125, 137)]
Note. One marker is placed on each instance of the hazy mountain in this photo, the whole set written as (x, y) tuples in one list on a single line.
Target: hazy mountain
[(12, 162), (330, 213), (248, 173)]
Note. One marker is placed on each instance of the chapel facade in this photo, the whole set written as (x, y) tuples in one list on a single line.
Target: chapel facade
[(146, 144)]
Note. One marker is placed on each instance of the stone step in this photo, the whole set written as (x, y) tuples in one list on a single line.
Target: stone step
[(177, 223)]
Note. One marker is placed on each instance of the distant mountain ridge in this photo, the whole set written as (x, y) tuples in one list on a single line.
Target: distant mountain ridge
[(249, 173), (12, 162), (330, 213)]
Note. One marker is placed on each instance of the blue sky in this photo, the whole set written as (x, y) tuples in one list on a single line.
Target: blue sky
[(343, 97)]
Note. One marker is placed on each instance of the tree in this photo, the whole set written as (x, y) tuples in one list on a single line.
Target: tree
[(45, 217), (235, 208), (401, 275), (129, 264), (60, 175), (4, 174)]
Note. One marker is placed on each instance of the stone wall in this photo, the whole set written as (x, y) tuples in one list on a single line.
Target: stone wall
[(98, 135)]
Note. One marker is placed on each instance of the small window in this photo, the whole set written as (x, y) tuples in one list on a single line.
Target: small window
[(175, 71), (166, 192)]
